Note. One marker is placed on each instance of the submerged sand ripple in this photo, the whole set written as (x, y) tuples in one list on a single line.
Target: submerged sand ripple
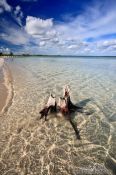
[(29, 146)]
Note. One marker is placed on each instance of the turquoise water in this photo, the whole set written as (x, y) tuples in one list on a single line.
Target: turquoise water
[(51, 147)]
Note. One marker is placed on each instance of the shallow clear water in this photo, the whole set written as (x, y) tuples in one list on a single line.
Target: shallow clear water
[(38, 147)]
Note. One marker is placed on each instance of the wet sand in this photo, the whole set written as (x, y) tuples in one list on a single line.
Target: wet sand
[(5, 86), (3, 91)]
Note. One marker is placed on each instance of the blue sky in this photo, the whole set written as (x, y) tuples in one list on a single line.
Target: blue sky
[(63, 27)]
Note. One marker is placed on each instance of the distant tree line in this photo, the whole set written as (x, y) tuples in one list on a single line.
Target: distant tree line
[(6, 54)]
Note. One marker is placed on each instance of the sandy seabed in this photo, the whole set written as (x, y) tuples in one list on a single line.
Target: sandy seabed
[(30, 146)]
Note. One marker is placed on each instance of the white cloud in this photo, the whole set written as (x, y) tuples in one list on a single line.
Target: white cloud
[(68, 37), (41, 31), (5, 6), (87, 50), (106, 44), (51, 33), (15, 36), (93, 22), (17, 10), (18, 15), (55, 40), (37, 26), (4, 50), (42, 43), (109, 43), (72, 46)]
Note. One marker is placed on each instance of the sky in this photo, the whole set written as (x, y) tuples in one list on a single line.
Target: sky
[(58, 27)]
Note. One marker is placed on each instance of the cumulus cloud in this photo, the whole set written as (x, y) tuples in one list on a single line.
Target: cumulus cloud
[(42, 31), (37, 26), (4, 6), (42, 43), (5, 50)]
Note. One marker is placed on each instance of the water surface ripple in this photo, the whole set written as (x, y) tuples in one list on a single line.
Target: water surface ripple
[(29, 146)]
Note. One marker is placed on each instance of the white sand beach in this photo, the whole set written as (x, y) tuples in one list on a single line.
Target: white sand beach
[(3, 90), (5, 86)]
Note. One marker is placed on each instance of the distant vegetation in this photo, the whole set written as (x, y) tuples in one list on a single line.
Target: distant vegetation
[(40, 55), (12, 54), (6, 54)]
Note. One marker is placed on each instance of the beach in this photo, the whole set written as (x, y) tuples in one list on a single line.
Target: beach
[(30, 146), (5, 86), (3, 89)]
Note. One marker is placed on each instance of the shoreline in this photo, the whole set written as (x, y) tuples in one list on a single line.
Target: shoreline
[(6, 87), (3, 89)]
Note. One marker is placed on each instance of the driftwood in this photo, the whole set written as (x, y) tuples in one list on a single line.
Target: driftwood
[(68, 110), (49, 107), (65, 106)]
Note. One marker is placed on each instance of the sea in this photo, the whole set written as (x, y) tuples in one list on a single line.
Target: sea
[(32, 146)]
